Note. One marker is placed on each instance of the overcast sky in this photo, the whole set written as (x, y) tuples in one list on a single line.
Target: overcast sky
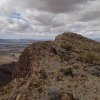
[(44, 19)]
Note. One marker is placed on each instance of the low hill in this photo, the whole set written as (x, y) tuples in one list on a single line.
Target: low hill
[(65, 69)]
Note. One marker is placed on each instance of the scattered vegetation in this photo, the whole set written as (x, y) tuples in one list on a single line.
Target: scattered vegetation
[(97, 49), (75, 66), (35, 83), (67, 46), (67, 71), (51, 71), (55, 72), (90, 58), (8, 89)]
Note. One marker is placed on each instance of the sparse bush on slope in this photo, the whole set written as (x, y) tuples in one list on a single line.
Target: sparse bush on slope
[(91, 58), (67, 46), (67, 71)]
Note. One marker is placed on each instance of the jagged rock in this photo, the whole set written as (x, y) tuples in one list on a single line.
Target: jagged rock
[(43, 69), (64, 47)]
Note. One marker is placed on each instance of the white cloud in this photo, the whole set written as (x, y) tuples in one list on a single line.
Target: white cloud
[(47, 18)]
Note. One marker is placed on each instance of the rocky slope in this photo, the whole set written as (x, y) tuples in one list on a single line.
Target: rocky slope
[(65, 69)]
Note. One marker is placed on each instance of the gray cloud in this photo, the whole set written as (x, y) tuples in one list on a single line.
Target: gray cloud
[(47, 18), (55, 6), (44, 18), (91, 11), (90, 16)]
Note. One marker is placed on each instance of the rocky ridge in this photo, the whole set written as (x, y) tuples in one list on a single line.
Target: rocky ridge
[(65, 69)]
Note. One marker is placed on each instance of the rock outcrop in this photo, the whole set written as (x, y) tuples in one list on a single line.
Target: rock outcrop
[(67, 47), (65, 69)]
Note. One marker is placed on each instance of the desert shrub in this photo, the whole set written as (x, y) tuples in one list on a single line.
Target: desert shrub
[(97, 49), (35, 83), (55, 72), (58, 76), (8, 89), (75, 66), (67, 71), (90, 58), (67, 46)]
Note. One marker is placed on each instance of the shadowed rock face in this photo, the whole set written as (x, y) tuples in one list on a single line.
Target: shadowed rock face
[(6, 73)]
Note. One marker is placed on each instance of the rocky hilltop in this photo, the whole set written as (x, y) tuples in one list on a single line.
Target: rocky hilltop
[(65, 69)]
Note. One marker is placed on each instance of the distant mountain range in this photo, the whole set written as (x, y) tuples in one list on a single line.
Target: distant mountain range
[(17, 40), (29, 40)]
